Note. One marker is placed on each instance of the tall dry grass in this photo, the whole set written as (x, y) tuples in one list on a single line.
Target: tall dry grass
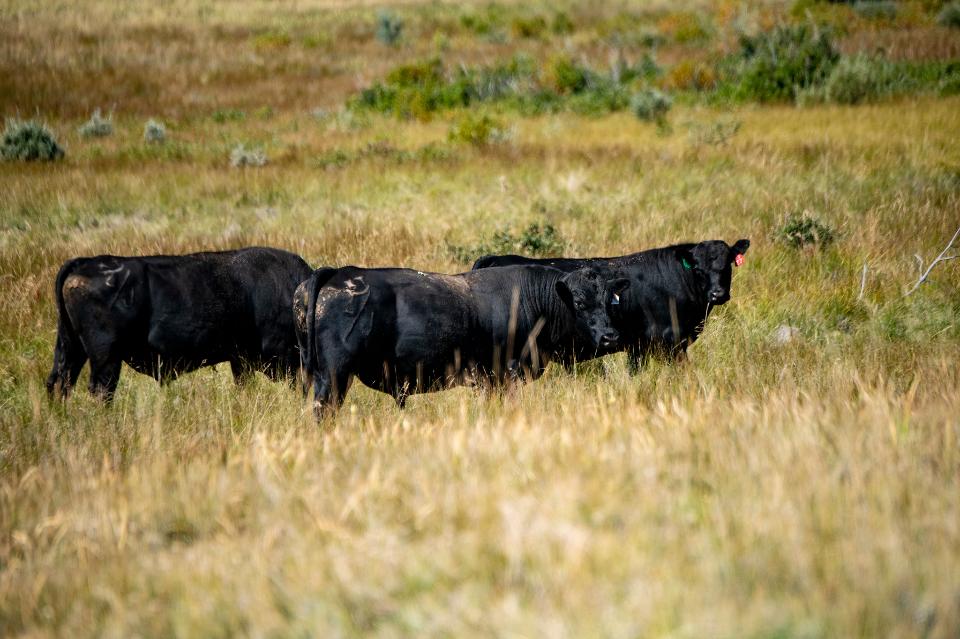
[(806, 488)]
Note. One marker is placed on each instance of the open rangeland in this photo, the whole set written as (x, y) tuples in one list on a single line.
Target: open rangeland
[(798, 476)]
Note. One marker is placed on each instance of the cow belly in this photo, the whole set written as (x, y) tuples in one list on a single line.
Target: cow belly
[(192, 349)]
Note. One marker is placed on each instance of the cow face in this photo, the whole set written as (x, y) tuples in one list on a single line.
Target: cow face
[(711, 263), (588, 293)]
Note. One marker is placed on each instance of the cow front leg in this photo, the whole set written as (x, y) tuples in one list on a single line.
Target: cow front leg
[(241, 372), (104, 377)]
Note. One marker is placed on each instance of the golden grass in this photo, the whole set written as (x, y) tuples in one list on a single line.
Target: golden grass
[(761, 489)]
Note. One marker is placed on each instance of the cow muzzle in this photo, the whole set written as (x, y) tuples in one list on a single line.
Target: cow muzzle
[(718, 296), (608, 339)]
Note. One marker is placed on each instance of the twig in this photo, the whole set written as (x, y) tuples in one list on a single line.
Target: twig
[(863, 282), (940, 258)]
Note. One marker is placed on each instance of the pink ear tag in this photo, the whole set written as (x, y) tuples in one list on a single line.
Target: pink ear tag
[(738, 260)]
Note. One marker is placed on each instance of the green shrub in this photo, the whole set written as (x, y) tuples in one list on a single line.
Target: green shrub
[(777, 65), (389, 28), (154, 132), (602, 96), (528, 27), (477, 130), (859, 79), (538, 239), (949, 15), (801, 231), (651, 105), (221, 116), (565, 76), (29, 141), (97, 126)]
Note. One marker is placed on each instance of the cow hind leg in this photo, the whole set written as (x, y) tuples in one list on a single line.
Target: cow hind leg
[(329, 389), (68, 359)]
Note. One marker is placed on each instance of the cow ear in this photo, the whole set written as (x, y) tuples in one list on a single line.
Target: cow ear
[(619, 285), (565, 293), (686, 259), (740, 247)]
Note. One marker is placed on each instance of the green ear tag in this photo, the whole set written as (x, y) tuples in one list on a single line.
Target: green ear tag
[(685, 263)]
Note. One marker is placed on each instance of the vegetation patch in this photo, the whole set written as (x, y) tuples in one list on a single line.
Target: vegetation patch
[(539, 239), (775, 66), (154, 132), (29, 141), (421, 89), (389, 28), (477, 130), (949, 15), (801, 231), (97, 126), (241, 157)]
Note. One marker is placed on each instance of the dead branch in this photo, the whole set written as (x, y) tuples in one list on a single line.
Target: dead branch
[(943, 257)]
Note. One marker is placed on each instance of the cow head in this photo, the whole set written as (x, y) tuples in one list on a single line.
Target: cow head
[(588, 292), (710, 263)]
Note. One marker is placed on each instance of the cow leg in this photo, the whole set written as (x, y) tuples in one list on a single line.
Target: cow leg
[(68, 359), (104, 376), (636, 359), (241, 372), (329, 389)]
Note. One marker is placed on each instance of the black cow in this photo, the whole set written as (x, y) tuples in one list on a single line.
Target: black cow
[(672, 291), (402, 331), (165, 315)]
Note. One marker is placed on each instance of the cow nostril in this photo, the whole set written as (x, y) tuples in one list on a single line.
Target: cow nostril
[(609, 338)]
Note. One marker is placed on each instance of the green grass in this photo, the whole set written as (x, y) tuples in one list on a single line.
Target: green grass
[(761, 489)]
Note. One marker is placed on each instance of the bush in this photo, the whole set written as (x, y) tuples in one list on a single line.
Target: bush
[(565, 76), (97, 126), (154, 132), (29, 141), (389, 28), (802, 231), (528, 27), (538, 240), (241, 156), (859, 79), (477, 130), (949, 16), (779, 64), (651, 105)]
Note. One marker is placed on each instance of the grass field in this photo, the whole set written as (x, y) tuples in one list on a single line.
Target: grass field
[(765, 488)]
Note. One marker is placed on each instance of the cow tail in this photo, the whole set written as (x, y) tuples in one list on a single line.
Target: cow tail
[(317, 279), (69, 348), (65, 330)]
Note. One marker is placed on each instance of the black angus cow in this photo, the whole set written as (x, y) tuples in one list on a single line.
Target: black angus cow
[(402, 331), (672, 291), (165, 315)]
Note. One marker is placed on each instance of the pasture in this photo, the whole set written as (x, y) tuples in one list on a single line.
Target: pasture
[(799, 476)]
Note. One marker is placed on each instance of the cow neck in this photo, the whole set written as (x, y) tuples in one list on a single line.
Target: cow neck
[(692, 288), (555, 313)]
